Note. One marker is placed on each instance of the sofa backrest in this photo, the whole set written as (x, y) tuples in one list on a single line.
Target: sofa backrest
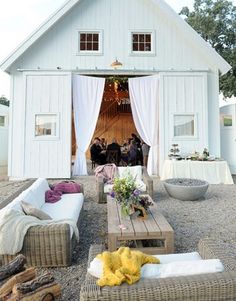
[(135, 171), (35, 195)]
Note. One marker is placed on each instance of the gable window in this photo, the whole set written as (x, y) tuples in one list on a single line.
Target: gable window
[(142, 42), (89, 42)]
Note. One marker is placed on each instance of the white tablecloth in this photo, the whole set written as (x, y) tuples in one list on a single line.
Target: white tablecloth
[(214, 172)]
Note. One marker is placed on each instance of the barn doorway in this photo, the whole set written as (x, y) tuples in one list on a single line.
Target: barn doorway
[(103, 105), (115, 117)]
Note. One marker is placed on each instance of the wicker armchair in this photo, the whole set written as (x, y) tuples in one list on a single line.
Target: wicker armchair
[(205, 287), (102, 196), (47, 246)]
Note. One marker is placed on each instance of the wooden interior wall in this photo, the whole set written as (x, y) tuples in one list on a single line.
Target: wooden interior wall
[(121, 129)]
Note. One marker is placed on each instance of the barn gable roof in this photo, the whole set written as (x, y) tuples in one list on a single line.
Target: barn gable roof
[(191, 34)]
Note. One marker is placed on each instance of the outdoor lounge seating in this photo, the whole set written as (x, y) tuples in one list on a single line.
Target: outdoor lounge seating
[(48, 245), (204, 287), (144, 182)]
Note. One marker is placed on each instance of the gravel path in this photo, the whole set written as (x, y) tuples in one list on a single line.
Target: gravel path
[(213, 216)]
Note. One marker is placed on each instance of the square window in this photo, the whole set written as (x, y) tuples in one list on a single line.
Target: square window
[(184, 125), (89, 41), (142, 42), (227, 120), (2, 121), (46, 125)]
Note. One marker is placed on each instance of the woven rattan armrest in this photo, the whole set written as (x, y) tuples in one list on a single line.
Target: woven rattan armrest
[(205, 287), (100, 190), (148, 181), (46, 246), (210, 248)]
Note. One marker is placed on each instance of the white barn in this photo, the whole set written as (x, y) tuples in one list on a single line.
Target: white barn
[(84, 37)]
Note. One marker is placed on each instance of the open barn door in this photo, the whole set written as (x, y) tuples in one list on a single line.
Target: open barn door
[(48, 125)]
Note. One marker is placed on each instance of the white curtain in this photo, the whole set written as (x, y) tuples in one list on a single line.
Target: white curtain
[(87, 99), (144, 104)]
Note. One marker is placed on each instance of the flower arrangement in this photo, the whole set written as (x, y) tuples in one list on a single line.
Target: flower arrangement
[(127, 194)]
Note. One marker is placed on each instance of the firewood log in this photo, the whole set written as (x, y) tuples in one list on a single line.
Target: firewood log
[(13, 267), (45, 293), (7, 287)]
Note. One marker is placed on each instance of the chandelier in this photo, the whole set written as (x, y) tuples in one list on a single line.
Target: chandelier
[(116, 89)]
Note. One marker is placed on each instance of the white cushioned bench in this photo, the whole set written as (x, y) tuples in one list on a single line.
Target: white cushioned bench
[(48, 245)]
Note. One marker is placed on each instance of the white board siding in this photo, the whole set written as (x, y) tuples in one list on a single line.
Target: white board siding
[(48, 157), (17, 127), (58, 47), (183, 93)]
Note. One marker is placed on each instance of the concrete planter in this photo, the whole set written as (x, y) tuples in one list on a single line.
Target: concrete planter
[(186, 189)]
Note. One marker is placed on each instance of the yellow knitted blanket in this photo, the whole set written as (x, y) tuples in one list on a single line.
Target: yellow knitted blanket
[(123, 265)]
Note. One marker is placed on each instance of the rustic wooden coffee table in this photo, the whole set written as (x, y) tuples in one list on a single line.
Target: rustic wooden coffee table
[(152, 236)]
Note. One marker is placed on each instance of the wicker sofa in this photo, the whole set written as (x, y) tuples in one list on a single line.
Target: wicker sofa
[(205, 287), (48, 245), (144, 181)]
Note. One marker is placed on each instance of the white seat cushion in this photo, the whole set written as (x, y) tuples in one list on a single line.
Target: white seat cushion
[(68, 207), (135, 171)]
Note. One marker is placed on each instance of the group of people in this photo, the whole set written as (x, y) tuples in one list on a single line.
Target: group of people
[(133, 151)]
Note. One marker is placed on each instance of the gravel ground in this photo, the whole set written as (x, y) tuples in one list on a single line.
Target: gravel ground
[(215, 215)]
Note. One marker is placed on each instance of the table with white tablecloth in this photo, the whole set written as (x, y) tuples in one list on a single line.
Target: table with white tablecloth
[(214, 172)]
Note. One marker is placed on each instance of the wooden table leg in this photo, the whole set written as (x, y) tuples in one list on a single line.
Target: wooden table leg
[(112, 243)]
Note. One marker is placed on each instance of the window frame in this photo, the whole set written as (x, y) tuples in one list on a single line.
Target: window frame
[(5, 121), (195, 118), (47, 137), (100, 42), (227, 127), (142, 53)]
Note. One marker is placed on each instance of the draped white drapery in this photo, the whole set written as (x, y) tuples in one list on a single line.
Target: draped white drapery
[(145, 104), (87, 99)]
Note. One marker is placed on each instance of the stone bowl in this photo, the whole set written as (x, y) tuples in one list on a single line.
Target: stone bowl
[(186, 189)]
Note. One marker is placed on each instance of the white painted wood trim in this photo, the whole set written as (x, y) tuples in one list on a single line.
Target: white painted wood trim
[(10, 128)]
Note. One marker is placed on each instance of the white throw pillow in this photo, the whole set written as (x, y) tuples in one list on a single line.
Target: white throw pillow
[(187, 268), (135, 171), (28, 209), (96, 268)]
